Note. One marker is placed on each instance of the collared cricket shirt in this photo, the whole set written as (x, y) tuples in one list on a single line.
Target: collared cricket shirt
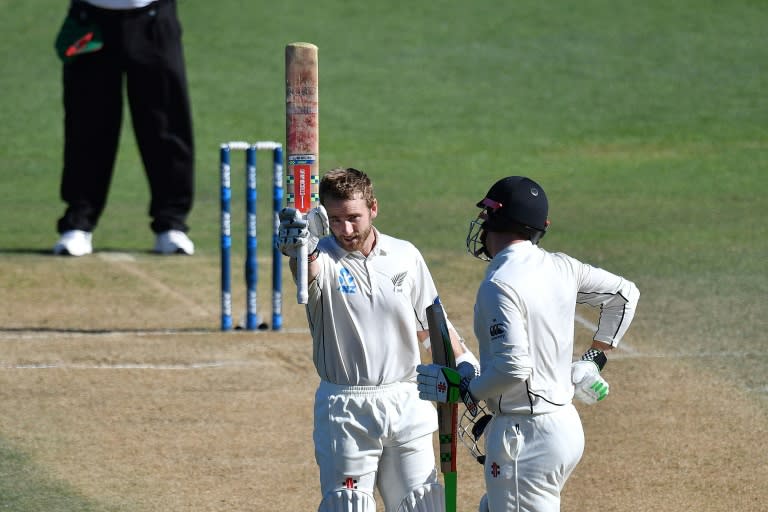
[(364, 312), (524, 324)]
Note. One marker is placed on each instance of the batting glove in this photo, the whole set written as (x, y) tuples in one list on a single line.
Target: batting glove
[(292, 232), (317, 223), (296, 230), (589, 386), (442, 384)]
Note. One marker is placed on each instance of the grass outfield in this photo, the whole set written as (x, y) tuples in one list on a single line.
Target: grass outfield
[(647, 125)]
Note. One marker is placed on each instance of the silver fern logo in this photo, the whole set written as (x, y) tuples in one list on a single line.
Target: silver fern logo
[(398, 280)]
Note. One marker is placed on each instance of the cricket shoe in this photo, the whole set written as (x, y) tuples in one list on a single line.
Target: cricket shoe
[(74, 243), (174, 242)]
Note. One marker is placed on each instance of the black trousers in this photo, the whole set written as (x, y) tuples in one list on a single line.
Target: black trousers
[(143, 48)]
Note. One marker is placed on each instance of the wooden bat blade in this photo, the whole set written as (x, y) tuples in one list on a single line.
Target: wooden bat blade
[(447, 414), (302, 133), (442, 350)]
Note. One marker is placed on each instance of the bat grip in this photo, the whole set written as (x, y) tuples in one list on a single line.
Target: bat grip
[(302, 275)]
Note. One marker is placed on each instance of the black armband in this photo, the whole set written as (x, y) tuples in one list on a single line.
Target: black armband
[(596, 356), (312, 257)]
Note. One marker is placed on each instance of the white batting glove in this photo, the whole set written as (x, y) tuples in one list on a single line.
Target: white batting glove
[(292, 232), (296, 230), (317, 223), (442, 384), (589, 386)]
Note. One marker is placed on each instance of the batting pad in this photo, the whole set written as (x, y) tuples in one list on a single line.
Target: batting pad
[(427, 498), (347, 500)]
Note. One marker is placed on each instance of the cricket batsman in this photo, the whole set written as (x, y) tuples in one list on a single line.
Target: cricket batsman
[(524, 323)]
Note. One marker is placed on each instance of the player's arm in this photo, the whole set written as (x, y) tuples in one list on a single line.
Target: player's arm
[(312, 269), (296, 231), (460, 350), (442, 384), (617, 299)]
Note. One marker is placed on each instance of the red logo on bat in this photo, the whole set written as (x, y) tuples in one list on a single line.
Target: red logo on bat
[(301, 188)]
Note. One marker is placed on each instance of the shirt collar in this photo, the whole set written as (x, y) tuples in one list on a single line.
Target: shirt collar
[(381, 247), (512, 251)]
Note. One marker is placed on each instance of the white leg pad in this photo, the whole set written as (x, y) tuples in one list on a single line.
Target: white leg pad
[(483, 504), (427, 498), (347, 500)]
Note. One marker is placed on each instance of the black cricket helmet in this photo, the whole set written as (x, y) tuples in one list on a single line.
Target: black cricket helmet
[(513, 204)]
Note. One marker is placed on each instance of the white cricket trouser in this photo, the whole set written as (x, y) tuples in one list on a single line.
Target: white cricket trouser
[(368, 436), (529, 458)]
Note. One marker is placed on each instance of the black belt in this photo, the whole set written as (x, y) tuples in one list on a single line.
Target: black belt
[(101, 11)]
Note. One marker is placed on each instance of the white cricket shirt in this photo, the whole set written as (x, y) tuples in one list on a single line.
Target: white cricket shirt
[(364, 312), (524, 323)]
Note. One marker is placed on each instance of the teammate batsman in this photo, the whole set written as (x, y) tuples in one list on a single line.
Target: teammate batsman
[(368, 294), (524, 323)]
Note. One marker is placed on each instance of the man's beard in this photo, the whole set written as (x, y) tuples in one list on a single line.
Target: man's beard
[(358, 243)]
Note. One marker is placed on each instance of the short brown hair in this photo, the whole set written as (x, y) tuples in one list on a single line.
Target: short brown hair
[(349, 183)]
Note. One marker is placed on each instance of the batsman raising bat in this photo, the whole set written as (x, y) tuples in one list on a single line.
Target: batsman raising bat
[(524, 323), (302, 132), (367, 311)]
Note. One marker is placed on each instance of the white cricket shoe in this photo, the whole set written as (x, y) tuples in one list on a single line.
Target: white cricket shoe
[(74, 243), (174, 242)]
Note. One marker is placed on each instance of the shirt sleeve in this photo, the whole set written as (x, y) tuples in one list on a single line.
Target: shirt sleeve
[(616, 297), (424, 291), (500, 317)]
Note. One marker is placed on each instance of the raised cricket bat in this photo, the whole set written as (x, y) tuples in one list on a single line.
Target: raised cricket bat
[(302, 133), (447, 414)]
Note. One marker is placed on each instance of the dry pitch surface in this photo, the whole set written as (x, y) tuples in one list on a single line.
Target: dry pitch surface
[(116, 385)]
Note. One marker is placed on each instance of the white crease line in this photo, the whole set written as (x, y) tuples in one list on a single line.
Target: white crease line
[(115, 256), (31, 334), (586, 323), (127, 366), (244, 363), (687, 355)]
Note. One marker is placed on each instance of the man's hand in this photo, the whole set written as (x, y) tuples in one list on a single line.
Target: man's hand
[(292, 232), (589, 386), (442, 384), (296, 230)]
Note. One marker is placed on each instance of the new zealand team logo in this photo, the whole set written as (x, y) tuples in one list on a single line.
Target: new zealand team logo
[(397, 281), (346, 281), (497, 330)]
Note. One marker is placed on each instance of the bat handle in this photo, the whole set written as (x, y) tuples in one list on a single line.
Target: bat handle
[(302, 276)]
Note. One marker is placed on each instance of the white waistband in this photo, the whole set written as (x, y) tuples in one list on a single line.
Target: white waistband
[(342, 389)]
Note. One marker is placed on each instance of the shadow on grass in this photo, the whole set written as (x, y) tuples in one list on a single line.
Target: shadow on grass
[(47, 251), (34, 250), (25, 488)]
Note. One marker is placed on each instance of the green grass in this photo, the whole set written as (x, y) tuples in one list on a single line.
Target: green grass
[(435, 100), (646, 123), (24, 487)]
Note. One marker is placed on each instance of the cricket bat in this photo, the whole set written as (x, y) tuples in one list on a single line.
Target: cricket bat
[(302, 133), (447, 414)]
